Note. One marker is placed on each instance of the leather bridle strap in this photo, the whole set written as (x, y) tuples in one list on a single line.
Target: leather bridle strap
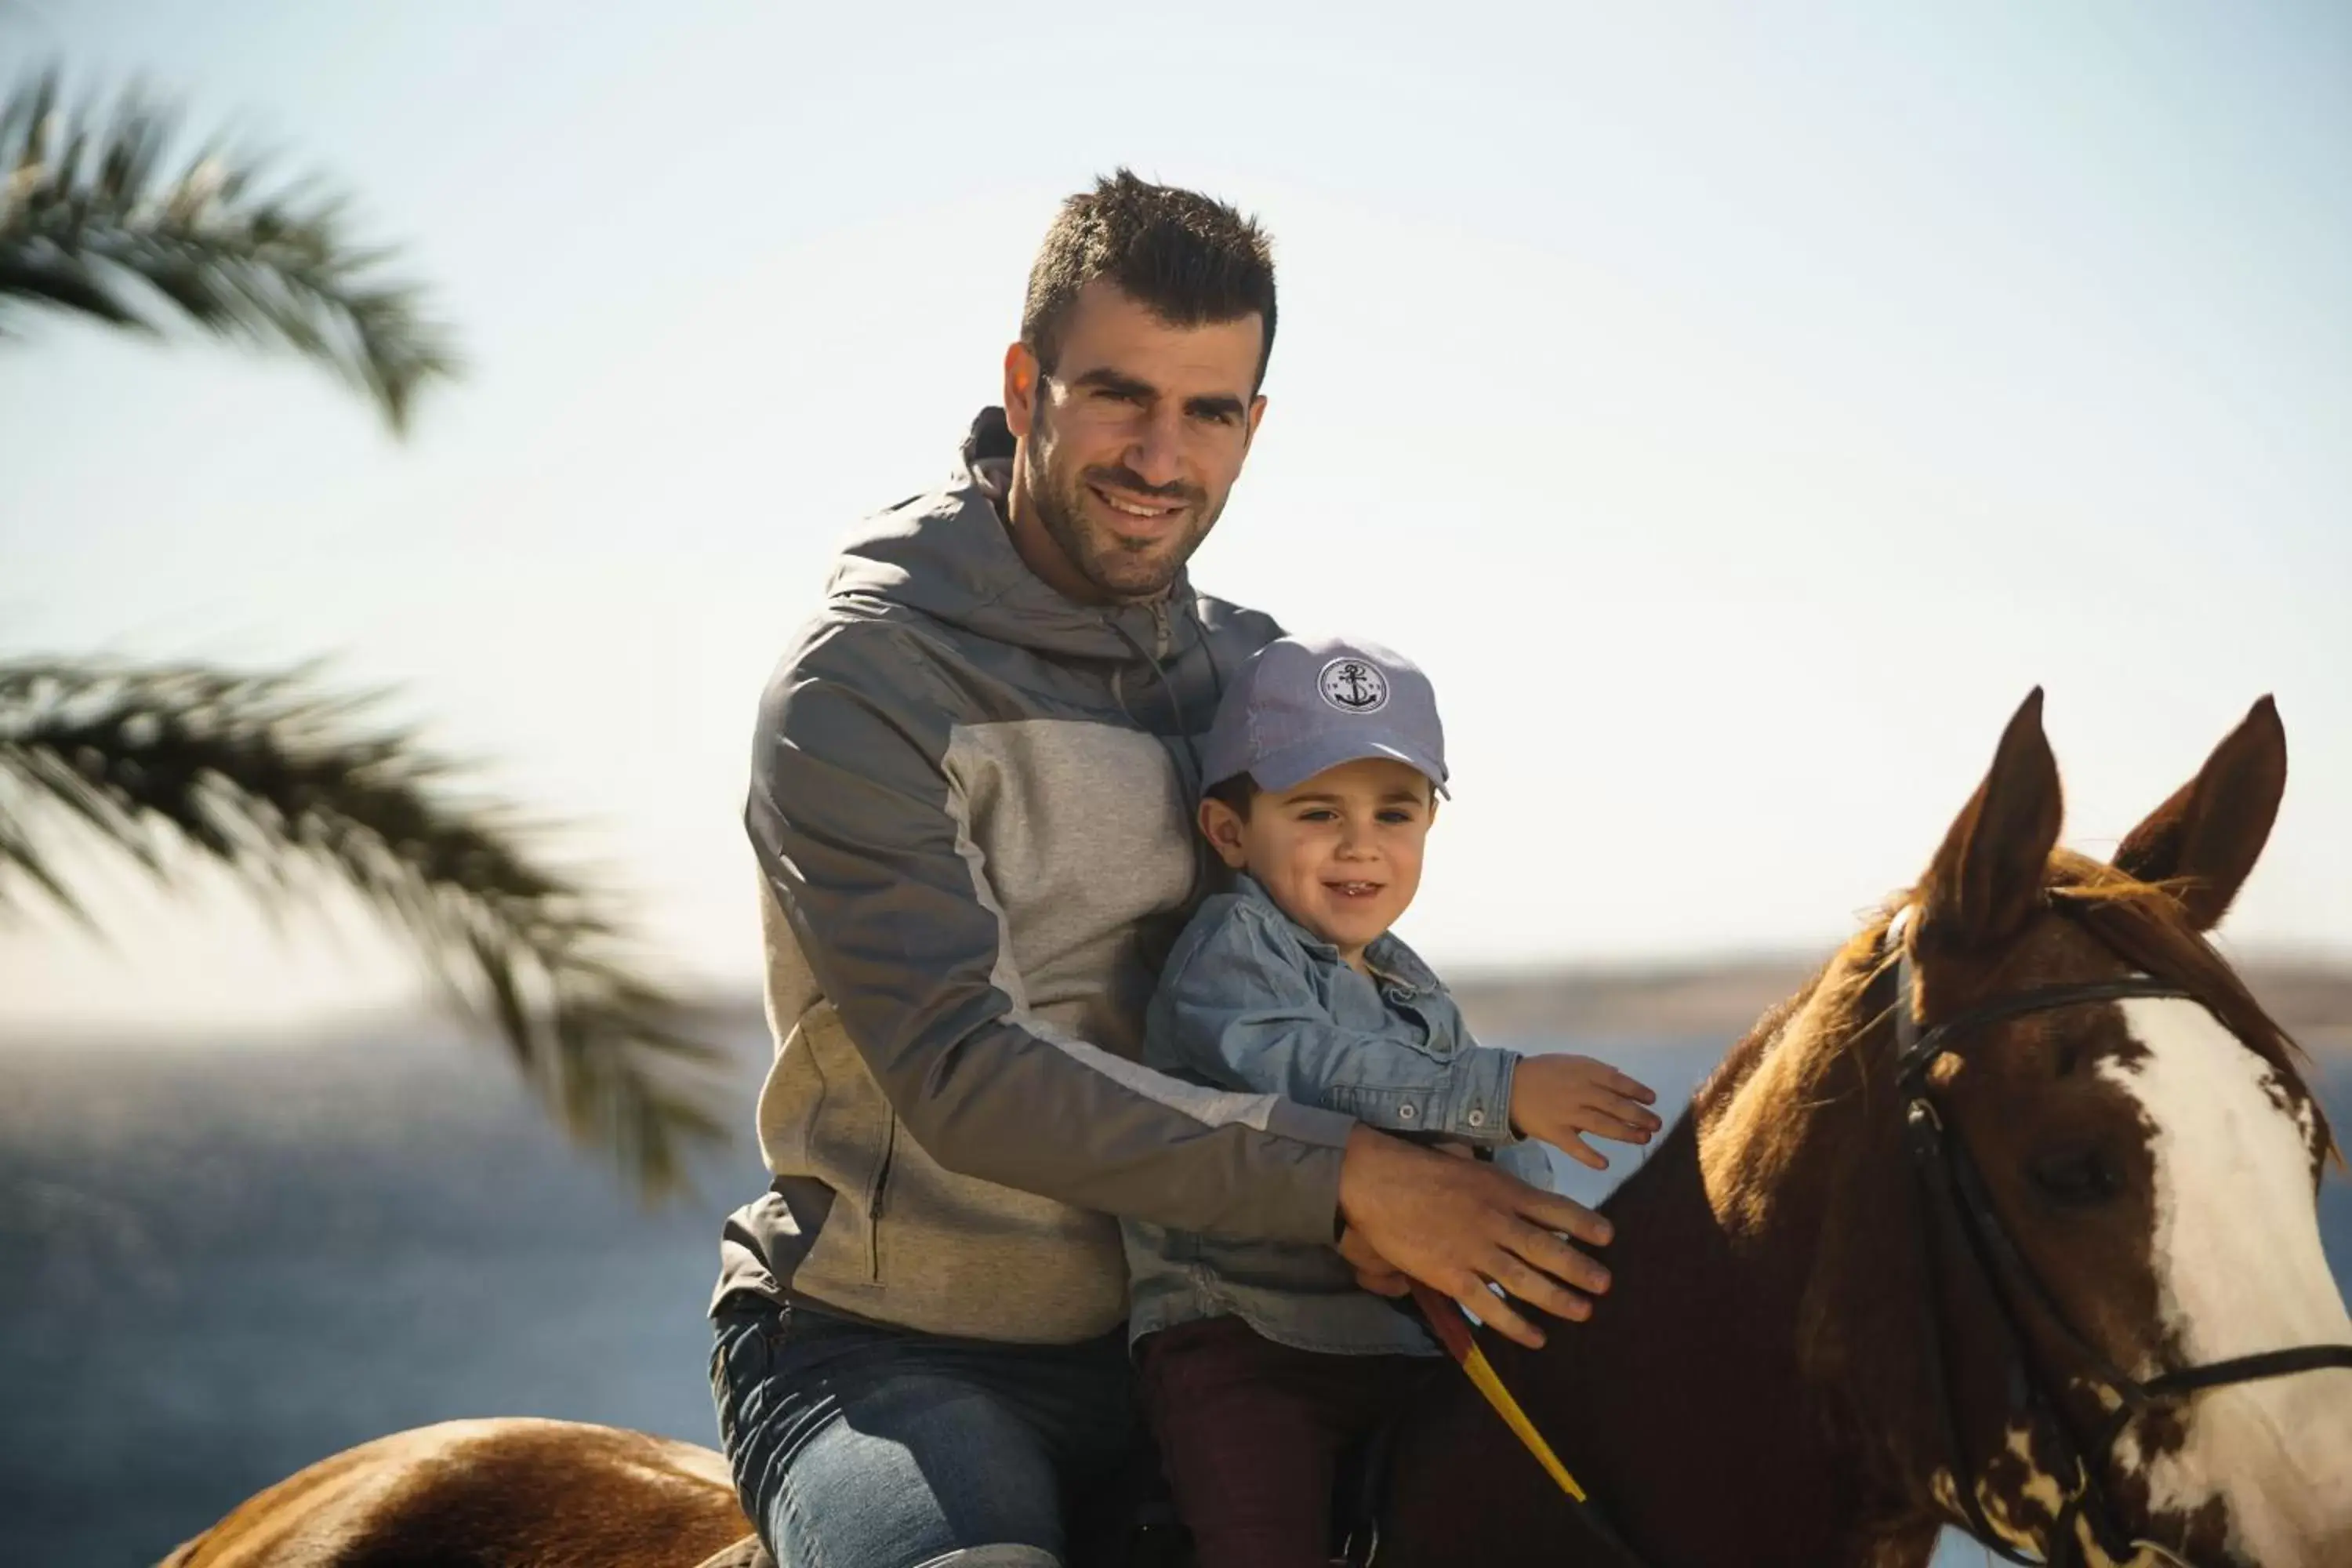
[(2174, 1384), (2251, 1369), (1917, 1051), (2015, 1288), (1933, 1179)]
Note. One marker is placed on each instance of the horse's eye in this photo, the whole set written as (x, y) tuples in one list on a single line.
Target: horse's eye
[(2077, 1178)]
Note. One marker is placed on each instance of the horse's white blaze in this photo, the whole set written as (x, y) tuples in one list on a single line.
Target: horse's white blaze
[(2238, 1269)]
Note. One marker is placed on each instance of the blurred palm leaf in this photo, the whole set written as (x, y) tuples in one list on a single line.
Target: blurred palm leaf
[(264, 774), (92, 222)]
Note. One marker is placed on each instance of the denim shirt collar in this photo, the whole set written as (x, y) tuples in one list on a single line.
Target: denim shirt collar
[(1395, 963)]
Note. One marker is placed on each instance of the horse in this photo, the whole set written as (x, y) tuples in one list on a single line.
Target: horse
[(2006, 1221)]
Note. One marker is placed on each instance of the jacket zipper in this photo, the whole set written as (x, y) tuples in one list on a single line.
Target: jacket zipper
[(1160, 632), (881, 1189)]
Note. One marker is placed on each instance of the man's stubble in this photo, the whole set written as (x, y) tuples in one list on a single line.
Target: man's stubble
[(1127, 571)]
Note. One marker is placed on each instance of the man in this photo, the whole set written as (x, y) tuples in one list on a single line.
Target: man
[(971, 804)]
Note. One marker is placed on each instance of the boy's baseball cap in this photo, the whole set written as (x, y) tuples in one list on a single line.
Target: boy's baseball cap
[(1305, 704)]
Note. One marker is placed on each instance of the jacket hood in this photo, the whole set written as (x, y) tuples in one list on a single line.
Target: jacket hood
[(947, 553)]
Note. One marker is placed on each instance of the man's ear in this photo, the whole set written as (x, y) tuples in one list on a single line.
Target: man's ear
[(1250, 423), (1022, 377), (1221, 825)]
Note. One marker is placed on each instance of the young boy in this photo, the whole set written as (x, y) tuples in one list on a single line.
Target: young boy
[(1261, 1361)]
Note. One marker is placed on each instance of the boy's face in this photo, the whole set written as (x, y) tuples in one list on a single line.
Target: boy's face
[(1341, 853)]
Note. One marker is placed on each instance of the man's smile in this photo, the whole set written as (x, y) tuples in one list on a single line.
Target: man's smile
[(1142, 509)]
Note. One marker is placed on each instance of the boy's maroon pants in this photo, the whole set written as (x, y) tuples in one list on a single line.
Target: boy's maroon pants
[(1251, 1433)]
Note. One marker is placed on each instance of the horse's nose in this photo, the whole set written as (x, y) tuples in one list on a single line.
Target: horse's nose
[(2337, 1545), (2319, 1552), (2324, 1448), (2276, 1456), (2317, 1516)]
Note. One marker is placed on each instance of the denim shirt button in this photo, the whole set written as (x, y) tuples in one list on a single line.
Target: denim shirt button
[(1406, 1111), (1477, 1119)]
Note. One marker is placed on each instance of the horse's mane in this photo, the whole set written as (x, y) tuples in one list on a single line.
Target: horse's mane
[(1831, 995)]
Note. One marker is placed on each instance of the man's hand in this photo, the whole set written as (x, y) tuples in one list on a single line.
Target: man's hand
[(1558, 1098), (1453, 1225), (1373, 1272)]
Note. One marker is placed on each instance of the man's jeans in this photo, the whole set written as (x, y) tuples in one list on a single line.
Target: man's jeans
[(855, 1446)]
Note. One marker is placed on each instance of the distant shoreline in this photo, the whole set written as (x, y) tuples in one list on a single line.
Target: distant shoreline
[(1717, 1004), (1706, 1003)]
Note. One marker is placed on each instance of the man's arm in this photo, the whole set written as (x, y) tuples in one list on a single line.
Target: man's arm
[(857, 832), (852, 823), (1239, 1009)]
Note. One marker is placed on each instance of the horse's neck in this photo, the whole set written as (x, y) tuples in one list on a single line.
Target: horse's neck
[(1692, 1409), (1692, 1405)]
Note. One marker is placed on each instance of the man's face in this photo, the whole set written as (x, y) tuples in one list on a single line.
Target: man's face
[(1340, 854), (1130, 447)]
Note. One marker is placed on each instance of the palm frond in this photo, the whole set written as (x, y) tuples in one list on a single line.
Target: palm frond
[(268, 775), (93, 220)]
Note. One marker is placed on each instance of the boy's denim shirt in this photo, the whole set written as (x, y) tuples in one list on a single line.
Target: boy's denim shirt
[(1252, 1001)]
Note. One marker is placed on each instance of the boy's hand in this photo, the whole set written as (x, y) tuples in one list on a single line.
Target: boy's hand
[(1558, 1099)]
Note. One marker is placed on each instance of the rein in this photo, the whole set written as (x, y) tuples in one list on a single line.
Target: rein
[(1451, 1327), (1952, 1192)]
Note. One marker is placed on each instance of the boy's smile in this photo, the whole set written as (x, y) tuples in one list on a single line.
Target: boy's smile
[(1341, 853)]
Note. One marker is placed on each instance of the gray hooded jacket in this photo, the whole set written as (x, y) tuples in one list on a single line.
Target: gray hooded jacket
[(972, 804)]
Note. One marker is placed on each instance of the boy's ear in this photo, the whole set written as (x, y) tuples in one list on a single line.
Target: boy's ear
[(1221, 825)]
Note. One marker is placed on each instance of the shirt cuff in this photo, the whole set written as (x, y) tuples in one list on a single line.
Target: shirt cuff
[(1478, 1110)]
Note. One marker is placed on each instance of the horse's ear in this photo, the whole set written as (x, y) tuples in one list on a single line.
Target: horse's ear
[(1986, 880), (2207, 837)]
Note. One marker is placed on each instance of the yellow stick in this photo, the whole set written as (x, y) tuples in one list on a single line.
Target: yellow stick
[(1453, 1331)]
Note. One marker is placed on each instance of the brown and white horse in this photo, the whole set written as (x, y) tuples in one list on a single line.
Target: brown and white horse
[(1761, 1385), (1806, 1360)]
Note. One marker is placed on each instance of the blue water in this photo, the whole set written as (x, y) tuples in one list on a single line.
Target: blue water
[(218, 1266)]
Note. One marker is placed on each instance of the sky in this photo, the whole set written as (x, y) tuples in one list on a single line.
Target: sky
[(1736, 410)]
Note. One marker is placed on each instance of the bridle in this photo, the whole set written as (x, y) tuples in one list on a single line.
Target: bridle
[(1952, 1192)]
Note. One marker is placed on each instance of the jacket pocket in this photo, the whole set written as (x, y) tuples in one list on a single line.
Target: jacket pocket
[(850, 1134)]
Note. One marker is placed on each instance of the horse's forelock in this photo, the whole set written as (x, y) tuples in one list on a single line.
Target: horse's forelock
[(2146, 924)]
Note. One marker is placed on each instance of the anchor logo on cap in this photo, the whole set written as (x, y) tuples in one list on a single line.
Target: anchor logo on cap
[(1354, 685)]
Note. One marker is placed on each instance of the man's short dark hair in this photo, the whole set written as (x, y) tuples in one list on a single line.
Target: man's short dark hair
[(1191, 260)]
